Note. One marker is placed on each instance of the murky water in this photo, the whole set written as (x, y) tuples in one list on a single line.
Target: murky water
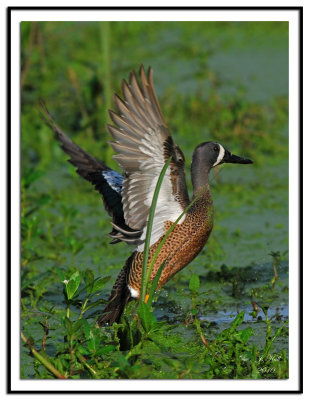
[(222, 317)]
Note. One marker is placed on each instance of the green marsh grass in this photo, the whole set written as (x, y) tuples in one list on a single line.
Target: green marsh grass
[(128, 349)]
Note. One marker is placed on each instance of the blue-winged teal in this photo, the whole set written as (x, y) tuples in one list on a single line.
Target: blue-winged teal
[(144, 143)]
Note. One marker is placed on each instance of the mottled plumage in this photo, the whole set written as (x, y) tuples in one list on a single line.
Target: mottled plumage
[(143, 144)]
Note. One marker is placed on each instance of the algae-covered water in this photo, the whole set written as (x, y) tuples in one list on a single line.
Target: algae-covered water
[(226, 82)]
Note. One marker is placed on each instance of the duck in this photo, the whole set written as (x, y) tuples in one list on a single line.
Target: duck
[(143, 145)]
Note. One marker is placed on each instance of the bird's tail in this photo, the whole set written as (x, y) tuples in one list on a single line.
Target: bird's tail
[(119, 297)]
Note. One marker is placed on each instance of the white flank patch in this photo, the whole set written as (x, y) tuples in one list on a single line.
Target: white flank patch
[(220, 156), (134, 293)]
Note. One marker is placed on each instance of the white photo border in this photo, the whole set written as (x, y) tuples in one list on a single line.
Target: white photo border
[(291, 14)]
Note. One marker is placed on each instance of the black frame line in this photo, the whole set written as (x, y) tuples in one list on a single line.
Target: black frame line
[(8, 200)]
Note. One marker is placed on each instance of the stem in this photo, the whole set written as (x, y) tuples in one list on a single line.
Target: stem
[(83, 308), (42, 359), (105, 28), (75, 82), (83, 361), (134, 350), (271, 341), (199, 330), (106, 61), (27, 64), (71, 359), (268, 332), (145, 273), (276, 275)]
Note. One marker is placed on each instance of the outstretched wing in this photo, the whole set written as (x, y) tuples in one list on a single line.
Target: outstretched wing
[(143, 143), (107, 181)]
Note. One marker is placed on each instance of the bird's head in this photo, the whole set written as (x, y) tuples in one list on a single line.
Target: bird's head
[(211, 154)]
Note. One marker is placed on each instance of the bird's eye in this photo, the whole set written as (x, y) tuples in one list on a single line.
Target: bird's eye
[(215, 148)]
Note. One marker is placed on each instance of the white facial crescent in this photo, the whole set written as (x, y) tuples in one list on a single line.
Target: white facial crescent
[(220, 156)]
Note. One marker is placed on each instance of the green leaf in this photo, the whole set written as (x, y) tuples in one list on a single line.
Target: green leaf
[(94, 304), (77, 325), (237, 321), (25, 282), (75, 276), (194, 284), (148, 319), (100, 283), (82, 350), (246, 334), (58, 365), (73, 284), (269, 344), (106, 349), (30, 176), (89, 280), (70, 289), (87, 330), (91, 344)]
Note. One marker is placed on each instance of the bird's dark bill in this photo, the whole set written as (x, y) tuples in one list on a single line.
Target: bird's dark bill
[(233, 159)]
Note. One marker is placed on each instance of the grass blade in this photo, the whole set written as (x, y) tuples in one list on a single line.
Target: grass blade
[(154, 283), (145, 273), (47, 364)]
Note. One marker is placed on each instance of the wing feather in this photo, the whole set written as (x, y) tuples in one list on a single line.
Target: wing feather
[(105, 180), (143, 144), (127, 126)]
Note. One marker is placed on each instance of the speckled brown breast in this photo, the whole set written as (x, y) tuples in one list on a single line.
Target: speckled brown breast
[(182, 245)]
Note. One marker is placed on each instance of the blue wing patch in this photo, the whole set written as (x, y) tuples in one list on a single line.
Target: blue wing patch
[(114, 179)]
